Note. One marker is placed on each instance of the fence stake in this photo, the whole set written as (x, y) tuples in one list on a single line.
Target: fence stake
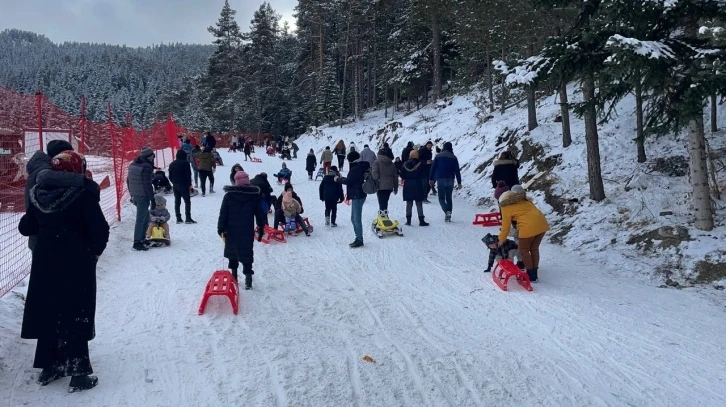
[(39, 100), (82, 148)]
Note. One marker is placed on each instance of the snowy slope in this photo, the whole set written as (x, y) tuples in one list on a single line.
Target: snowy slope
[(440, 332), (626, 229)]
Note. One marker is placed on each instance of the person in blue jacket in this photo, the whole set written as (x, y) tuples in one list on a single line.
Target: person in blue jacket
[(444, 170)]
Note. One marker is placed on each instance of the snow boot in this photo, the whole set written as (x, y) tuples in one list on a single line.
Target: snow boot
[(333, 225), (49, 375), (447, 218), (488, 270), (421, 221), (140, 247), (190, 221), (234, 274), (520, 264), (248, 281), (408, 220), (211, 189), (327, 221), (80, 383), (179, 221), (356, 243), (532, 273)]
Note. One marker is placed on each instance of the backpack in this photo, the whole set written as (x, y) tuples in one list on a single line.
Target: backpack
[(370, 186)]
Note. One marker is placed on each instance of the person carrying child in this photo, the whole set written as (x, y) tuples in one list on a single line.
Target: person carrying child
[(284, 174), (159, 217), (332, 194), (310, 163), (291, 208)]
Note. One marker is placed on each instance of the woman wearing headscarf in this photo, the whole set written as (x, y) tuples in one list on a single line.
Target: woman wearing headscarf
[(60, 307)]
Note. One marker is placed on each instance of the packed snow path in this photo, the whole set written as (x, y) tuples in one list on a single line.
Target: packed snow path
[(439, 331)]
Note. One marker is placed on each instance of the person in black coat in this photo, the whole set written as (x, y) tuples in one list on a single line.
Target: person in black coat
[(414, 173), (406, 151), (240, 211), (248, 150), (426, 157), (60, 306), (279, 217), (354, 182), (180, 175), (266, 198), (332, 194), (310, 163), (505, 169), (386, 150)]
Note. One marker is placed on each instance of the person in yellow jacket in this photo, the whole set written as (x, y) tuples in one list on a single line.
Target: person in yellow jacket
[(531, 226)]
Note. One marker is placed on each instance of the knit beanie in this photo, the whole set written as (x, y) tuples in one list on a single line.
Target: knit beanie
[(56, 147), (501, 188), (517, 188), (241, 178), (68, 161), (146, 152)]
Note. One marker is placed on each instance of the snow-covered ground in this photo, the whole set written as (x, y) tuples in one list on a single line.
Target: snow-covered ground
[(439, 331)]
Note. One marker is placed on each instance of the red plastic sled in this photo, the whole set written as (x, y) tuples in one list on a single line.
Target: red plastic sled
[(488, 219), (282, 181), (256, 160), (504, 270), (278, 235), (221, 283)]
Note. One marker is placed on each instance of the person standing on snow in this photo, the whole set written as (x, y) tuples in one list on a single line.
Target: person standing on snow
[(368, 155), (414, 175), (247, 150), (138, 182), (180, 175), (406, 151), (239, 213), (266, 198), (385, 174), (340, 151), (332, 194), (295, 149), (326, 159), (387, 151), (207, 163), (310, 163), (193, 163), (354, 182), (60, 305), (444, 170), (426, 158)]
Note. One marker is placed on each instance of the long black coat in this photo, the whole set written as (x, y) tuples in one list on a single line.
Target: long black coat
[(180, 172), (354, 180), (505, 170), (331, 190), (71, 231), (265, 187), (310, 162), (240, 211), (414, 174)]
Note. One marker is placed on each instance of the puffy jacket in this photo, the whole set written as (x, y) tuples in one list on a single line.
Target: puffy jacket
[(292, 209), (284, 173), (385, 174), (516, 208), (414, 173), (505, 170), (368, 155), (327, 157), (355, 178), (239, 213), (139, 178), (445, 166), (331, 190), (278, 203), (406, 151), (310, 162), (180, 173), (205, 161), (265, 187), (187, 147), (159, 215)]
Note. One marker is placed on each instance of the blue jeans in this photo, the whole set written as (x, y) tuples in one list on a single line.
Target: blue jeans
[(446, 189), (356, 217), (142, 217)]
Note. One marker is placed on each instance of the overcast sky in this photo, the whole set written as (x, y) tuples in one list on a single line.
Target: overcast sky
[(130, 22)]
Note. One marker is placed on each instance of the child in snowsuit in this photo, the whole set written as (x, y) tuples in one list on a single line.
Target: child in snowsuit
[(159, 216), (507, 251), (292, 209), (161, 182), (332, 194), (285, 173)]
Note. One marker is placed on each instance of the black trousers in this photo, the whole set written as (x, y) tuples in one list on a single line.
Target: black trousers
[(67, 356), (204, 175), (331, 209), (341, 161), (246, 267), (180, 194), (383, 197)]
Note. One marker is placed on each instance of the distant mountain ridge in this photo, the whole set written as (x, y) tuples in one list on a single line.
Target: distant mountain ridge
[(133, 80)]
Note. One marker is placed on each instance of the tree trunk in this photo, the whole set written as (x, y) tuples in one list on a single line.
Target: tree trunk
[(714, 113), (394, 109), (436, 45), (703, 211), (639, 130), (369, 93), (385, 99), (531, 99), (374, 100), (322, 49), (565, 113), (490, 79), (594, 174), (345, 67)]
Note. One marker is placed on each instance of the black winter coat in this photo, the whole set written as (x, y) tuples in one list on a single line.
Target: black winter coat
[(310, 162), (180, 171), (71, 231), (239, 213), (405, 153), (424, 155), (414, 174), (265, 188), (139, 178), (247, 148), (355, 178), (331, 190), (387, 152), (505, 170)]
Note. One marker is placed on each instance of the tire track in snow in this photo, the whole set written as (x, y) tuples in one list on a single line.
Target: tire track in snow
[(276, 388), (353, 373)]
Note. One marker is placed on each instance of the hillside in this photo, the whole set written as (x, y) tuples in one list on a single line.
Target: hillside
[(131, 79), (645, 223)]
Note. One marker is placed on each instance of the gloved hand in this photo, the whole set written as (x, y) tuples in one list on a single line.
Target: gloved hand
[(459, 186)]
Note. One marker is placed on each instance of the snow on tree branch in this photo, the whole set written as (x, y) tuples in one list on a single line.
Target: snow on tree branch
[(525, 73), (650, 49)]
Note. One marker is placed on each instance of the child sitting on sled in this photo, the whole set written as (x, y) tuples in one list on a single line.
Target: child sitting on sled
[(284, 174), (292, 209), (159, 217), (508, 250), (161, 182)]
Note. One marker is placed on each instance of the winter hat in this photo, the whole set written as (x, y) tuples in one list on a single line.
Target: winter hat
[(160, 200), (334, 169), (284, 165), (68, 161), (517, 188), (448, 146), (501, 188), (414, 154), (287, 197), (237, 165), (410, 144), (288, 186), (241, 178), (353, 156), (385, 145), (365, 146), (56, 147), (146, 152), (263, 175), (327, 147)]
